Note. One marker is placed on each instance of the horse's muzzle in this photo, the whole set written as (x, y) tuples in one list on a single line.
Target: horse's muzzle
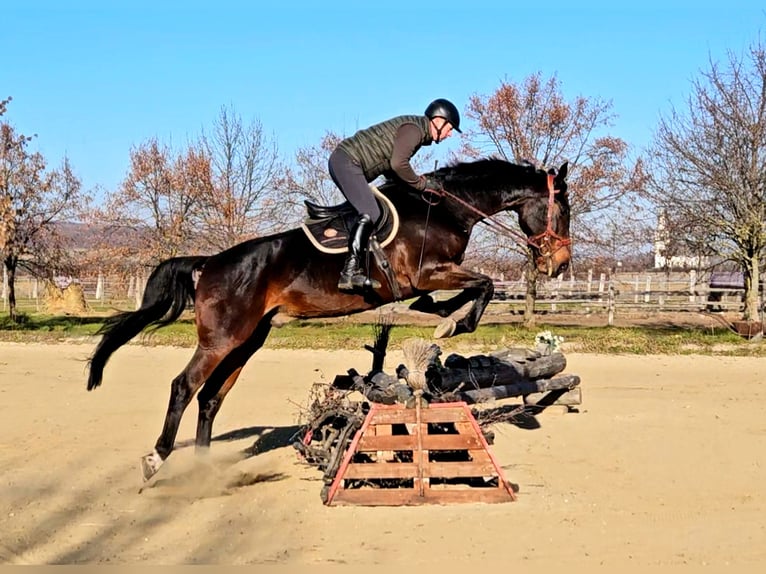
[(552, 259)]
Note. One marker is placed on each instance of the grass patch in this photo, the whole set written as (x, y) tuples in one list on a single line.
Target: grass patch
[(353, 335)]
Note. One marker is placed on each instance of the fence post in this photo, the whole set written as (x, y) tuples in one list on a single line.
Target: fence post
[(692, 285), (601, 287), (648, 289), (636, 283), (610, 303), (100, 287), (590, 280), (139, 292), (571, 283), (555, 294)]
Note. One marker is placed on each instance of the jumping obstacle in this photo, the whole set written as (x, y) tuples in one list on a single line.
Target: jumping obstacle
[(414, 439), (434, 454)]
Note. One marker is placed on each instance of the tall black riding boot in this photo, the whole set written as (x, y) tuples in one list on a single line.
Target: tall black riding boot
[(354, 276)]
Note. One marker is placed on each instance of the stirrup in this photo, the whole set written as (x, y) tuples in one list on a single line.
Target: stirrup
[(357, 282), (368, 283), (345, 283)]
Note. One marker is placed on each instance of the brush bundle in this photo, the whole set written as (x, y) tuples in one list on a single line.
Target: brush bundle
[(418, 356)]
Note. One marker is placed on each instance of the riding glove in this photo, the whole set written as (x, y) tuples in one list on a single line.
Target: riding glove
[(432, 184)]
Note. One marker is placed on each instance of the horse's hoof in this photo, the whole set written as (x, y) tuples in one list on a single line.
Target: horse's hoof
[(150, 464), (445, 329)]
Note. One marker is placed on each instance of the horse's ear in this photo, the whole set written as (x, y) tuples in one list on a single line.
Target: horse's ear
[(562, 174)]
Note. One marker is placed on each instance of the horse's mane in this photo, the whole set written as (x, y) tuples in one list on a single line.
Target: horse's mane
[(495, 171), (487, 168)]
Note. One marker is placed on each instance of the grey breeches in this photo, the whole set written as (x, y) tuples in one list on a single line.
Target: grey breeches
[(350, 179)]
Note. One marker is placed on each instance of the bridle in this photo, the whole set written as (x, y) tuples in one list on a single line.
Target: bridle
[(541, 241)]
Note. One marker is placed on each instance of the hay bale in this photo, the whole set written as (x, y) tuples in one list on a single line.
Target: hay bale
[(69, 300)]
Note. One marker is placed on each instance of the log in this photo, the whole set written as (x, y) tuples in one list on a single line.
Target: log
[(518, 389), (503, 374), (508, 355), (378, 387), (515, 354), (487, 371), (390, 395), (569, 398), (353, 380)]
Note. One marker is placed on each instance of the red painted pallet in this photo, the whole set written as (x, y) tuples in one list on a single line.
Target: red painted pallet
[(436, 454)]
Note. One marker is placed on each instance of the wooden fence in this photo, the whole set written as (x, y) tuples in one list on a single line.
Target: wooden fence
[(591, 293), (624, 292)]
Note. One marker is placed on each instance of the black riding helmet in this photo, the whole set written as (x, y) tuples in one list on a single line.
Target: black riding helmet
[(441, 108)]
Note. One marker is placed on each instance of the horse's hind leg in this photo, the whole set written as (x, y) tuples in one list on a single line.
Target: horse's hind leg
[(182, 389), (209, 407), (223, 379)]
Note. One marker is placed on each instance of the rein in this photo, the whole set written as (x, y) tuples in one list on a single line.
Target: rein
[(541, 241)]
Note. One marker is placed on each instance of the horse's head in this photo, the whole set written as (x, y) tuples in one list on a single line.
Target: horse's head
[(477, 190), (544, 218)]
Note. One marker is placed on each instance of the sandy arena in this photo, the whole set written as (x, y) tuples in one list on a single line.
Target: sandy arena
[(664, 464)]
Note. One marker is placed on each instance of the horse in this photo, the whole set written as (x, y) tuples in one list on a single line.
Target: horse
[(238, 292)]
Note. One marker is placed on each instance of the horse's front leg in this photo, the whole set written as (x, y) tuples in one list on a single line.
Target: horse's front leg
[(481, 298), (426, 304), (473, 287)]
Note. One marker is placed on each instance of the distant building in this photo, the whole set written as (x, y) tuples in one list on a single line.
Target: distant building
[(662, 261)]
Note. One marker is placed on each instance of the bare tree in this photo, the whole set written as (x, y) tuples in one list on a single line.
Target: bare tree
[(159, 198), (309, 178), (242, 201), (6, 213), (708, 162), (533, 122), (34, 199)]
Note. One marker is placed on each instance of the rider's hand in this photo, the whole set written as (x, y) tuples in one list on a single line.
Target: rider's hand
[(433, 184)]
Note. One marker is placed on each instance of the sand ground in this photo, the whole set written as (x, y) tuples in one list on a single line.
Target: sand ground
[(664, 464)]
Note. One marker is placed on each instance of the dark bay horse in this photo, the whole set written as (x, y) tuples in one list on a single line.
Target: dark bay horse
[(238, 292)]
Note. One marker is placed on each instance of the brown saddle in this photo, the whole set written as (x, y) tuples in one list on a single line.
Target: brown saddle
[(328, 227)]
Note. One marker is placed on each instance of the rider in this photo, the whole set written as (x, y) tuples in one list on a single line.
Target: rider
[(387, 148)]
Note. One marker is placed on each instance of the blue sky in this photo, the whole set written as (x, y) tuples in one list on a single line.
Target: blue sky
[(94, 78)]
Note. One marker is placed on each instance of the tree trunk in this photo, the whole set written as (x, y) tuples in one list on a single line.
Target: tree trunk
[(531, 295), (752, 280), (10, 267)]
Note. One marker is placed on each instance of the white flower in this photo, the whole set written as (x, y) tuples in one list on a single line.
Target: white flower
[(551, 342)]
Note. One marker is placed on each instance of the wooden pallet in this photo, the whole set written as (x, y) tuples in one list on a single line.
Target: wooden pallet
[(408, 456)]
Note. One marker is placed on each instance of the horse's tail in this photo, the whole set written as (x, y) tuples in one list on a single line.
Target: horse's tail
[(168, 289)]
